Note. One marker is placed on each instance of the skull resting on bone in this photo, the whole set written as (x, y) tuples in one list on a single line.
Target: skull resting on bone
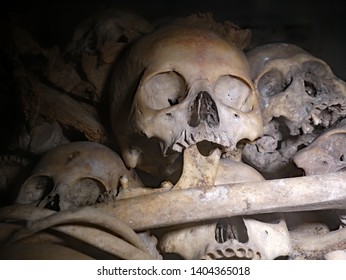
[(74, 175), (178, 86), (300, 98)]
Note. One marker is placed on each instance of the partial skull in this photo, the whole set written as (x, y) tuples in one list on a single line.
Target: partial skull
[(179, 86), (300, 98), (326, 154), (249, 239), (74, 175)]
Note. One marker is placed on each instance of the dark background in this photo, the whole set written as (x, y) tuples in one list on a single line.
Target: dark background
[(317, 26)]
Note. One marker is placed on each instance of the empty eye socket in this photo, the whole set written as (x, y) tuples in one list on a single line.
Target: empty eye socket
[(316, 67), (35, 189), (312, 84), (313, 72), (87, 191), (164, 90), (272, 82), (234, 93)]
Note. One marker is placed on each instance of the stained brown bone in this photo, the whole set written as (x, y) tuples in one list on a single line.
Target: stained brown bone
[(206, 203)]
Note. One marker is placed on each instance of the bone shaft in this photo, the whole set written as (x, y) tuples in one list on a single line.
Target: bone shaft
[(198, 204)]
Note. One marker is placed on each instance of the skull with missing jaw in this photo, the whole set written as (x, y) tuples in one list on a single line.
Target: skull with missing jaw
[(176, 87), (300, 99)]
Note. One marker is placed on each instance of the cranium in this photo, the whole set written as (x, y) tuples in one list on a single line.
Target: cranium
[(73, 175), (300, 98), (179, 86)]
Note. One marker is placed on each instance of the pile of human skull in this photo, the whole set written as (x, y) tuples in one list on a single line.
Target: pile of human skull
[(201, 156)]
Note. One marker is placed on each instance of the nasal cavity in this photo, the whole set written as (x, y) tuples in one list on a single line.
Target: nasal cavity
[(203, 109), (53, 204)]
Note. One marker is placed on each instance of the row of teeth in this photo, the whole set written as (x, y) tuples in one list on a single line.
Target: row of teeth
[(319, 117), (186, 140)]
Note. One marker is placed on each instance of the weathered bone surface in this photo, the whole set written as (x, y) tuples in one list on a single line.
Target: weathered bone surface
[(265, 241), (288, 190), (98, 40), (326, 154), (232, 238), (181, 85), (272, 196), (336, 255), (318, 245), (300, 98), (74, 175)]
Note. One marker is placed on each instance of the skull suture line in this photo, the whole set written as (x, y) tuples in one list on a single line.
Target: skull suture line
[(300, 98), (179, 86)]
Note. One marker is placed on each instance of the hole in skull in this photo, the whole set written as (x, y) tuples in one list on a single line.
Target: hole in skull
[(206, 148), (87, 191), (53, 203), (163, 90), (311, 84), (173, 101), (35, 189), (342, 157), (310, 89), (300, 147), (231, 228), (273, 82)]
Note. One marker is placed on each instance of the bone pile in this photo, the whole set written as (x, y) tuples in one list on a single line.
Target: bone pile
[(172, 141)]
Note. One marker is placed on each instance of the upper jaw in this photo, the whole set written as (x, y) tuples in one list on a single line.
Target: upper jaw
[(205, 142)]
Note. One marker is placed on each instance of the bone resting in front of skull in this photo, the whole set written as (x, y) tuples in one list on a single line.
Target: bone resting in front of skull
[(317, 192), (198, 170)]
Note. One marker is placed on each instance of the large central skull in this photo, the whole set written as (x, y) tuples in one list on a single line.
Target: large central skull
[(179, 86)]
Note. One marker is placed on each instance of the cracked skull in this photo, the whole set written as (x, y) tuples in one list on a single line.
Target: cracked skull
[(300, 98), (74, 175), (179, 86)]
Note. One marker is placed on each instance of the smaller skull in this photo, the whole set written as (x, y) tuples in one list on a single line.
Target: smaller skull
[(74, 175), (300, 98)]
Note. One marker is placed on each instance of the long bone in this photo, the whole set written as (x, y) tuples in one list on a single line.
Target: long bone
[(174, 207)]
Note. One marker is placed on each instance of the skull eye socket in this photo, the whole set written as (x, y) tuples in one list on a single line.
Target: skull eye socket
[(234, 93), (87, 191), (35, 189), (272, 82), (316, 67), (164, 90), (312, 82)]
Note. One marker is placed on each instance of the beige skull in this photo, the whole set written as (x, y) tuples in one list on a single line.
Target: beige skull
[(300, 97), (75, 174), (179, 86), (259, 240), (326, 154)]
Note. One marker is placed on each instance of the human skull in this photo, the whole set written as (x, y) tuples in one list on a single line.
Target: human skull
[(300, 98), (326, 154), (179, 86), (73, 175), (256, 240)]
